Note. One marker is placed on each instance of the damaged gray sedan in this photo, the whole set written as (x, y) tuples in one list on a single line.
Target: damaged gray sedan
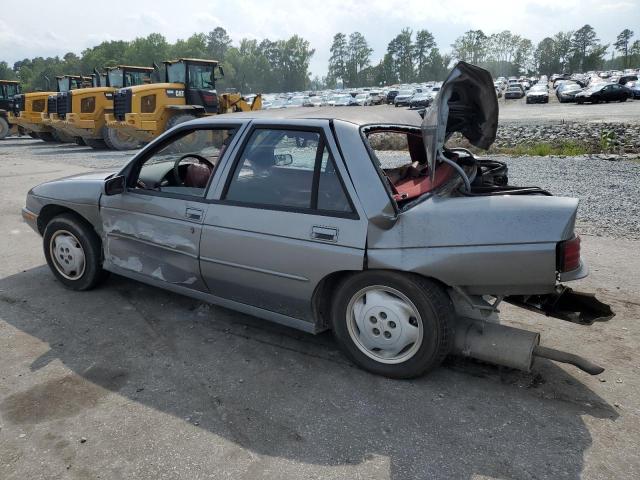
[(358, 221)]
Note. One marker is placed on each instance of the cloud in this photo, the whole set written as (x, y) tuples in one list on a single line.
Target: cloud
[(378, 20)]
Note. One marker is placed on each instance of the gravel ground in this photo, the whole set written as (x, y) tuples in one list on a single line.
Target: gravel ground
[(608, 191)]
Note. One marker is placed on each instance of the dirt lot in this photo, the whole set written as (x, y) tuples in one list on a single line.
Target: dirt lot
[(129, 381)]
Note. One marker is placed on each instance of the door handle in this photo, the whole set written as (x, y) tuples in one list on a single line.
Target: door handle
[(193, 213), (327, 234)]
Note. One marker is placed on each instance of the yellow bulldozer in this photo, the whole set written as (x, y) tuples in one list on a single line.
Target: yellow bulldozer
[(31, 110), (189, 91), (8, 89), (85, 117)]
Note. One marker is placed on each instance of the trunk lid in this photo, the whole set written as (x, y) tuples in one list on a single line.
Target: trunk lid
[(466, 103)]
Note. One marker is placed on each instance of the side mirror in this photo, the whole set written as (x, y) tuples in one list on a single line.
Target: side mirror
[(114, 185), (283, 159)]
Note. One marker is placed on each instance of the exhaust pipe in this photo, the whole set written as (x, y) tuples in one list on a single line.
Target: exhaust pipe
[(510, 347)]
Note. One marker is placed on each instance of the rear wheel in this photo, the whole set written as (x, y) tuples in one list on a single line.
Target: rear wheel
[(73, 252), (4, 128), (117, 139), (393, 324), (190, 143)]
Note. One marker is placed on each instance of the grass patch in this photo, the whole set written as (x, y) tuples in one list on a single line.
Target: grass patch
[(543, 149)]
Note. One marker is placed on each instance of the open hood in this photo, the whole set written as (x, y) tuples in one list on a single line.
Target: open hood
[(466, 103)]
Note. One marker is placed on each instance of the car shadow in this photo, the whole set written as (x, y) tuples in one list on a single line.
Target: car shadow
[(282, 393)]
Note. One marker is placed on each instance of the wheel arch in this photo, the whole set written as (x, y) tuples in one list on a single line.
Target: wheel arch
[(52, 210), (322, 295)]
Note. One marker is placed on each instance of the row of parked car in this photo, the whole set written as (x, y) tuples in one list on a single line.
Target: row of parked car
[(413, 96), (579, 88)]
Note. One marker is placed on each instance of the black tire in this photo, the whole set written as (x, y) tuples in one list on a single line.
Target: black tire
[(88, 240), (4, 128), (118, 140), (622, 100), (190, 143), (47, 137), (433, 305), (96, 143)]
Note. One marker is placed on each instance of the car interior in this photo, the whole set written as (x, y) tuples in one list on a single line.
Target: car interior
[(186, 165)]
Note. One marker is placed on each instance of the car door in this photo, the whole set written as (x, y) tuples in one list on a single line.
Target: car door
[(151, 231), (284, 218)]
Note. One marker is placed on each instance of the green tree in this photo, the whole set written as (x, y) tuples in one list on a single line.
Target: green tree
[(583, 43), (339, 58), (218, 42), (401, 50), (6, 73), (193, 47), (471, 47), (545, 57), (622, 44), (359, 57), (425, 43)]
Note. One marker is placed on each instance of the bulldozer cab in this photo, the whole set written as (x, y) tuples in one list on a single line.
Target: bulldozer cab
[(72, 82), (9, 88), (199, 80), (127, 76), (98, 80)]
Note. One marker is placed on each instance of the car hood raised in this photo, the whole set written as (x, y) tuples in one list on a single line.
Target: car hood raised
[(466, 103)]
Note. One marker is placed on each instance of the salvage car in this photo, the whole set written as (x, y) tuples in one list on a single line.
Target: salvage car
[(421, 100), (538, 94), (299, 217), (567, 92), (514, 90), (604, 92), (403, 98)]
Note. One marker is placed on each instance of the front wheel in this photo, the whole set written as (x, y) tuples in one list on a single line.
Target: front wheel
[(73, 252), (4, 128), (393, 324)]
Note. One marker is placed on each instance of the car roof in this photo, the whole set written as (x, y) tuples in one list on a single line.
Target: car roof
[(359, 116)]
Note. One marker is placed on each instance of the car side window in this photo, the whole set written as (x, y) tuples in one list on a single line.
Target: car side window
[(185, 165), (287, 169)]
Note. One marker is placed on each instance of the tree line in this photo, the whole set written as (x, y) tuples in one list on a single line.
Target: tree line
[(283, 65), (250, 66)]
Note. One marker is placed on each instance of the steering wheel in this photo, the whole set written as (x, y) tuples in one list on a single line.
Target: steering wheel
[(176, 171)]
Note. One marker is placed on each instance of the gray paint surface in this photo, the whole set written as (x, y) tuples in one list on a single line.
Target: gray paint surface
[(266, 258)]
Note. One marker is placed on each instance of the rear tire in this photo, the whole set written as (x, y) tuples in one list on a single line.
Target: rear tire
[(190, 143), (73, 252), (393, 324), (4, 128), (116, 139)]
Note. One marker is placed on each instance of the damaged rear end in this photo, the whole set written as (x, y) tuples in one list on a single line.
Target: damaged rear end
[(461, 222)]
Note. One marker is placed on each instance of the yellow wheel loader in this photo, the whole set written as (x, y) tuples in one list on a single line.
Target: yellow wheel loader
[(146, 111), (86, 116), (59, 104), (8, 89), (31, 110)]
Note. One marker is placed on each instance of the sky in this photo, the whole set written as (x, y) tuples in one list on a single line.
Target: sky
[(44, 28)]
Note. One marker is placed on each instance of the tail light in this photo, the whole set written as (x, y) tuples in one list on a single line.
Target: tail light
[(568, 254)]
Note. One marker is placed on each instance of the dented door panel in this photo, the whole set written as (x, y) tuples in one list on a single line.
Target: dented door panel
[(155, 236)]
